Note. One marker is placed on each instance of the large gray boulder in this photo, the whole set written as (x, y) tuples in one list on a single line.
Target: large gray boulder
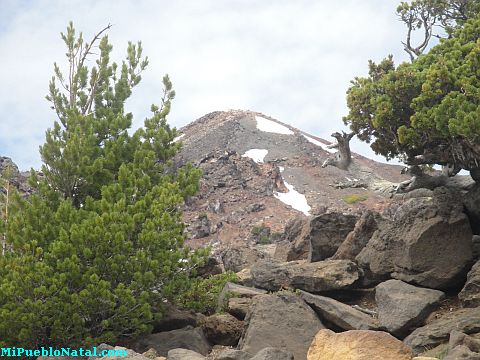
[(312, 277), (232, 354), (280, 321), (428, 243), (462, 346), (187, 338), (472, 207), (326, 233), (184, 354), (236, 299), (240, 257), (174, 318), (438, 331), (295, 245), (402, 306), (461, 352), (342, 315), (358, 238), (470, 294)]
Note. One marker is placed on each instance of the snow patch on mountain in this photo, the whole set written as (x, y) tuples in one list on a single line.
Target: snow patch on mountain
[(293, 198), (256, 155), (318, 143), (179, 137), (272, 126)]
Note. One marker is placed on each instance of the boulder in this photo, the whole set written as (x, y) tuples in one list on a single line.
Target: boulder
[(222, 329), (402, 306), (238, 307), (358, 238), (476, 246), (357, 345), (234, 290), (236, 299), (462, 346), (174, 318), (238, 258), (189, 338), (244, 277), (184, 354), (270, 353), (428, 243), (470, 294), (281, 321), (295, 245), (231, 354), (326, 232), (461, 352), (460, 338), (339, 314), (438, 331), (312, 277), (472, 207)]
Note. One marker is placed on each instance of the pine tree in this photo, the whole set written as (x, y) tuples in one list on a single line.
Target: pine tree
[(100, 243)]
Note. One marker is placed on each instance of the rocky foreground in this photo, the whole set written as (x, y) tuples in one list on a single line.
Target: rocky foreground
[(404, 284)]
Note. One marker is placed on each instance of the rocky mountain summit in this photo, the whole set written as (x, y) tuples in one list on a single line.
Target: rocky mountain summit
[(260, 174)]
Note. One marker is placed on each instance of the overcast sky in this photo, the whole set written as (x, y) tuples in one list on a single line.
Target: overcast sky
[(292, 60)]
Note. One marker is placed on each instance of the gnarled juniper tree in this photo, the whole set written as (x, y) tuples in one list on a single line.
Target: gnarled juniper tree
[(428, 111)]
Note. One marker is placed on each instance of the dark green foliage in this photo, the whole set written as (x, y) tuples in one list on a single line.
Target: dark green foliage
[(426, 112), (101, 241), (261, 234), (201, 295)]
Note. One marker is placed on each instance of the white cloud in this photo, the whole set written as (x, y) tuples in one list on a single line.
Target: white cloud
[(292, 60)]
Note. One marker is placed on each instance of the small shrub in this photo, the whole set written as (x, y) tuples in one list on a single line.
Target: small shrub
[(354, 198), (261, 234), (257, 230), (264, 240), (202, 294)]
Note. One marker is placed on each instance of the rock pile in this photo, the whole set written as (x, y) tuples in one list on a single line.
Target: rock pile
[(400, 284)]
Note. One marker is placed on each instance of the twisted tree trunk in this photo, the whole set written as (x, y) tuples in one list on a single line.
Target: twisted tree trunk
[(343, 157)]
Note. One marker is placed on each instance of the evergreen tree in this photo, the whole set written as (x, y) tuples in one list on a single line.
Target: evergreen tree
[(426, 112), (100, 243)]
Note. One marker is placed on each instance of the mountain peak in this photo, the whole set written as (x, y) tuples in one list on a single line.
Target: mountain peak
[(259, 170)]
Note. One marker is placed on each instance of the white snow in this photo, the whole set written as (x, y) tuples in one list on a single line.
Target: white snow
[(256, 155), (178, 138), (294, 199), (272, 126), (318, 143)]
